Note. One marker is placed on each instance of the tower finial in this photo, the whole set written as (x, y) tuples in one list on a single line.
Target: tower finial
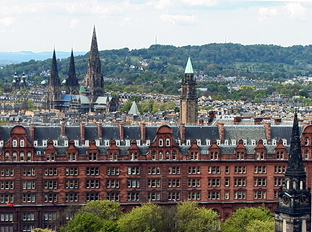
[(189, 67)]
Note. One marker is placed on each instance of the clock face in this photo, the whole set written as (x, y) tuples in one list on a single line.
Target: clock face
[(302, 200), (285, 199)]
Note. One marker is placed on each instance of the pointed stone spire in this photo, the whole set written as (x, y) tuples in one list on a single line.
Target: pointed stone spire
[(93, 80), (54, 78), (189, 67), (295, 165), (72, 85)]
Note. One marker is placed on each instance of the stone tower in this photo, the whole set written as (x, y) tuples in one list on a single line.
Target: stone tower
[(54, 86), (188, 99), (72, 86), (293, 213), (93, 80)]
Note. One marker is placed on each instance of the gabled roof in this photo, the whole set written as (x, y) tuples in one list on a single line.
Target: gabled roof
[(134, 109)]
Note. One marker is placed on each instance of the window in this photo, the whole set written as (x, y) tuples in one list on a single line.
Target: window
[(154, 196), (7, 172), (214, 155), (174, 183), (280, 155), (193, 183), (112, 196), (260, 155), (8, 184), (133, 196), (193, 196), (133, 183), (153, 183), (160, 142), (227, 170), (279, 169), (71, 171), (194, 155), (92, 171), (214, 195), (153, 155), (278, 181), (14, 156), (112, 171), (194, 170), (239, 195), (214, 182), (29, 172), (227, 182), (50, 172), (174, 155), (71, 197), (6, 217), (238, 182), (153, 170), (71, 156), (14, 143), (276, 193), (260, 169), (133, 170), (240, 155), (167, 155), (6, 228), (28, 216), (134, 156), (6, 198), (214, 170), (167, 142), (173, 170), (29, 156), (260, 182), (93, 184), (112, 156), (50, 197), (28, 198), (173, 196), (22, 156), (306, 154), (259, 194), (50, 156), (50, 184), (226, 195), (50, 216), (160, 155), (240, 169), (72, 184), (112, 183), (92, 156), (28, 228), (92, 196), (7, 156)]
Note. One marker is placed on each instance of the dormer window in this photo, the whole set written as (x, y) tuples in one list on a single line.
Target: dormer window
[(22, 143), (306, 141), (160, 142), (280, 155), (14, 143), (72, 156), (240, 155), (260, 155), (167, 142), (134, 156), (92, 156)]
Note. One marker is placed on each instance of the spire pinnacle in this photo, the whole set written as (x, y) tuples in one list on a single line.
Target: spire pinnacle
[(189, 67)]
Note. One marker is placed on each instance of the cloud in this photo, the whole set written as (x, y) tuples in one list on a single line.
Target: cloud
[(264, 13), (183, 19), (162, 4), (201, 2), (73, 23), (296, 10), (7, 21)]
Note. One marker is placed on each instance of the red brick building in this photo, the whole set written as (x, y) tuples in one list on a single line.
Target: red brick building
[(43, 169)]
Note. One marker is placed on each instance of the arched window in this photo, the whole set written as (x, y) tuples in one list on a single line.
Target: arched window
[(153, 155), (160, 142), (14, 143), (14, 156), (22, 156), (167, 142), (174, 155), (160, 155), (29, 156), (167, 155), (22, 143), (7, 156)]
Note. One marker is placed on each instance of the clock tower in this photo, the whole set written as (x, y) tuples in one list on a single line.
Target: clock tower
[(293, 213), (188, 99)]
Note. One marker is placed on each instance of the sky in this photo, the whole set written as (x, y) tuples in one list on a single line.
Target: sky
[(33, 25)]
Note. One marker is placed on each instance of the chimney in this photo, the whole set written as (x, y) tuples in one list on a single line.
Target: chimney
[(221, 131), (82, 133), (267, 127), (182, 133), (32, 132), (237, 120), (63, 129), (100, 130), (143, 133), (257, 121), (121, 131), (277, 121)]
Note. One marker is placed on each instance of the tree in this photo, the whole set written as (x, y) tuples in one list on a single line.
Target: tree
[(248, 217), (83, 222), (190, 217), (42, 230), (147, 217), (263, 226)]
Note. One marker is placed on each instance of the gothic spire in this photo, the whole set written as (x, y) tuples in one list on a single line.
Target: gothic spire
[(189, 67), (54, 78), (295, 165), (72, 86), (94, 57)]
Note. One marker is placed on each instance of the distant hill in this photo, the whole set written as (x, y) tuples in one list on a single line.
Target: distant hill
[(24, 56)]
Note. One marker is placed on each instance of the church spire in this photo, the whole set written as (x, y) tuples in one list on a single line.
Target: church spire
[(189, 67), (295, 165), (72, 86), (54, 86), (54, 78)]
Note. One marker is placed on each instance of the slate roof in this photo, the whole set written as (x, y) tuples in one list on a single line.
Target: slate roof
[(282, 132), (201, 132), (249, 132), (47, 132), (132, 132), (110, 132), (91, 133)]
